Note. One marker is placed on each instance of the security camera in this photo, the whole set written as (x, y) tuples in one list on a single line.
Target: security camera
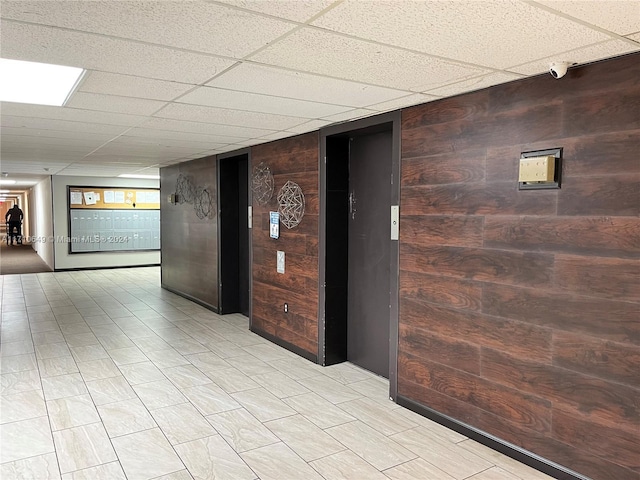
[(559, 69)]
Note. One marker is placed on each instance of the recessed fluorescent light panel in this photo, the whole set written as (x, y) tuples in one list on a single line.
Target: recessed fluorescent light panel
[(38, 83), (135, 175), (7, 182)]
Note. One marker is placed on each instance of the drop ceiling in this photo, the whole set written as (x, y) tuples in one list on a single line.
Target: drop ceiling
[(170, 81)]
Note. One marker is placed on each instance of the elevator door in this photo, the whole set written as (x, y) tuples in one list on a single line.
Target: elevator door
[(369, 251)]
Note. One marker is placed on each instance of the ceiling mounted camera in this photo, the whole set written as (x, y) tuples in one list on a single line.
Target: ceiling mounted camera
[(559, 69)]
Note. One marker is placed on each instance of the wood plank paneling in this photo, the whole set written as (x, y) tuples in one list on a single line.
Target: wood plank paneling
[(544, 283), (294, 159), (593, 356), (478, 264), (599, 236), (616, 321)]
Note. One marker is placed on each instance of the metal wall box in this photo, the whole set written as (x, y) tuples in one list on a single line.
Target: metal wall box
[(540, 169)]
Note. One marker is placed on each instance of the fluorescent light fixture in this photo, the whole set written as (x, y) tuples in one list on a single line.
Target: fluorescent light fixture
[(136, 175), (7, 182), (5, 191), (38, 83)]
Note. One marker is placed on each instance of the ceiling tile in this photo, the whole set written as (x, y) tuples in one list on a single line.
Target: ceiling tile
[(51, 124), (621, 17), (94, 52), (197, 26), (267, 80), (60, 135), (71, 143), (111, 103), (130, 86), (475, 84), (180, 136), (222, 116), (588, 54), (635, 37), (205, 128), (309, 126), (462, 30), (71, 114), (351, 115), (408, 101), (296, 10), (32, 166), (322, 52), (203, 145), (276, 136), (253, 102)]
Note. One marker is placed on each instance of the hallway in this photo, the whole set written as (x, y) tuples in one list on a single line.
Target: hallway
[(20, 259), (107, 376)]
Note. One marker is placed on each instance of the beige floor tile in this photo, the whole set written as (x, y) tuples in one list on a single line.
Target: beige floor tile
[(107, 471), (52, 367), (73, 325), (166, 358), (143, 372), (146, 455), (16, 348), (188, 346), (123, 418), (125, 356), (109, 390), (98, 369), (266, 352), (210, 399), (304, 438), (212, 458), (18, 363), (52, 350), (63, 386), (24, 439), (231, 380), (372, 446), (22, 406), (225, 349), (280, 385), (263, 405), (151, 344), (180, 475), (318, 410), (507, 463), (184, 376), (278, 462), (381, 418), (89, 353), (432, 427), (83, 447), (208, 362), (495, 473), (250, 365), (72, 412), (182, 423), (329, 389), (346, 373), (346, 465), (25, 381), (45, 338), (114, 342), (418, 469), (242, 430), (81, 339), (374, 388), (159, 394), (41, 467), (447, 456)]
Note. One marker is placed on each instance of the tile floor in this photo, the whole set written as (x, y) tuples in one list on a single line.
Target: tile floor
[(107, 376)]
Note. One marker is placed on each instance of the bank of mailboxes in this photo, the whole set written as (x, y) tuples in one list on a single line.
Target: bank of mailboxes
[(114, 230)]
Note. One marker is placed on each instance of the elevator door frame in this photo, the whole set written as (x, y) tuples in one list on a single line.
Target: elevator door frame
[(395, 119)]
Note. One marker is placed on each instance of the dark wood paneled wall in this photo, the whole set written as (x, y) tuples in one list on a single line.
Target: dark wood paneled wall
[(520, 310), (294, 159), (189, 244)]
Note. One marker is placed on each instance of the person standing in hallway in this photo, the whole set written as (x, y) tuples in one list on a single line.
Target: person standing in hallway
[(14, 220)]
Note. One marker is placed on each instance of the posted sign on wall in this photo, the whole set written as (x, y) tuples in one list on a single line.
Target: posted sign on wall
[(274, 224)]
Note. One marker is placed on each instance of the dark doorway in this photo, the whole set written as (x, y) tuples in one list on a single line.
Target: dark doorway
[(233, 175), (357, 269)]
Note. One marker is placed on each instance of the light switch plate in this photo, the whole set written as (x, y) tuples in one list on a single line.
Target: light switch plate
[(280, 261), (395, 222)]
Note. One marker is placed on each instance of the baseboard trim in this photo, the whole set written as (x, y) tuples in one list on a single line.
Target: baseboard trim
[(190, 297), (523, 456), (284, 344)]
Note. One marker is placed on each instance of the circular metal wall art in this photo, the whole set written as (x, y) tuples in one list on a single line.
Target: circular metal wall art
[(291, 204), (185, 189), (203, 203), (262, 184)]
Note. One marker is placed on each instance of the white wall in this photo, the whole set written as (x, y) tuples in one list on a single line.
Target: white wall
[(41, 221), (64, 260)]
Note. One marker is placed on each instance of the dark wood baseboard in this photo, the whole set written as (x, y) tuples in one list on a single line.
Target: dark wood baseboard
[(523, 456)]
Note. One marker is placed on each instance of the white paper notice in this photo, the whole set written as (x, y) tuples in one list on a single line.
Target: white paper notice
[(90, 198), (153, 197), (119, 196), (109, 196), (76, 198), (141, 197)]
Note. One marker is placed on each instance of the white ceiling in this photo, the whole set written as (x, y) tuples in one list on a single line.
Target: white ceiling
[(170, 81)]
